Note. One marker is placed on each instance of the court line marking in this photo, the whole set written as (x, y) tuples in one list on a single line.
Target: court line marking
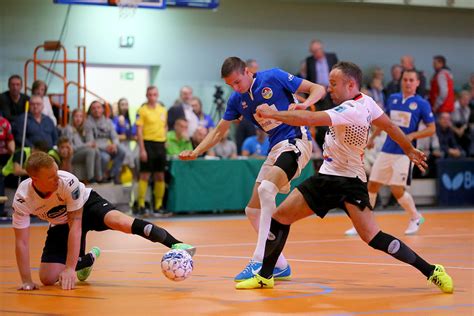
[(315, 241), (55, 295), (407, 309), (294, 260)]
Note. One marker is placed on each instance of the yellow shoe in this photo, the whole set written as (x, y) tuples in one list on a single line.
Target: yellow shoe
[(440, 278), (257, 282)]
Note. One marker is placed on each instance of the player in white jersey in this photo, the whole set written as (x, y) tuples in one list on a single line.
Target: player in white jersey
[(341, 181), (72, 210), (392, 167)]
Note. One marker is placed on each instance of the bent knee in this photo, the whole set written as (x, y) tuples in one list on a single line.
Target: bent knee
[(48, 279)]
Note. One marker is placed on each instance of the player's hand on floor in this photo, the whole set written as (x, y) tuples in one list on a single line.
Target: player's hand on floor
[(67, 279), (187, 155), (28, 286)]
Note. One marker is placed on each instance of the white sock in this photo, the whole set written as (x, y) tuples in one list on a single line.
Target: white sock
[(253, 214), (372, 198), (267, 192), (281, 262), (406, 201)]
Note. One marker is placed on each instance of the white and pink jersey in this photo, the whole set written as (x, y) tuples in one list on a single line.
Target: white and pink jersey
[(70, 196), (346, 139)]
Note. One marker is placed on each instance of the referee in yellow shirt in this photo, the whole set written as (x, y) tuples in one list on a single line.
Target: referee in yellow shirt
[(151, 132)]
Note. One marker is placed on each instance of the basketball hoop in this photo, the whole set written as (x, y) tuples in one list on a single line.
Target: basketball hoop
[(127, 7)]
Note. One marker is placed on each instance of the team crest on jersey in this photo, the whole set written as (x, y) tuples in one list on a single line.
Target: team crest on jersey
[(267, 93), (413, 106), (244, 105), (290, 77)]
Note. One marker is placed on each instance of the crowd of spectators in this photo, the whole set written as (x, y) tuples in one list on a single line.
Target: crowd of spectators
[(98, 148)]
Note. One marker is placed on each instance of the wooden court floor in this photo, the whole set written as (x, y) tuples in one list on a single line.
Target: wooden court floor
[(332, 274)]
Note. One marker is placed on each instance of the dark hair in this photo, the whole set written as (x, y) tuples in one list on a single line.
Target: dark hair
[(232, 64), (126, 114), (14, 77), (350, 70), (38, 84), (441, 59), (62, 140), (411, 71), (41, 145), (89, 110)]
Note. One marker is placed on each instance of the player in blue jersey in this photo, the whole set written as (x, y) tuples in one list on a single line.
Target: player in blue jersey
[(392, 167), (290, 146)]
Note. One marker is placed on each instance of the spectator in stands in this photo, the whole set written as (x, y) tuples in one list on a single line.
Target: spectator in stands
[(182, 108), (38, 126), (460, 118), (198, 137), (205, 120), (126, 132), (442, 86), (86, 154), (394, 85), (408, 63), (252, 65), (65, 154), (430, 146), (178, 140), (448, 145), (225, 148), (151, 135), (7, 148), (107, 141), (12, 102), (376, 91), (15, 166), (318, 66), (256, 146), (40, 88)]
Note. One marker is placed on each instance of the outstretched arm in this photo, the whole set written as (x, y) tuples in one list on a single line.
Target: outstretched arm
[(67, 278), (295, 118), (415, 155), (209, 141)]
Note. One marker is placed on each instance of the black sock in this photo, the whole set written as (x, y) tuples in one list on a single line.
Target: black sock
[(397, 249), (273, 247), (85, 261), (153, 233)]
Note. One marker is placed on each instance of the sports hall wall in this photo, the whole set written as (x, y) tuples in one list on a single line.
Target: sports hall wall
[(189, 45)]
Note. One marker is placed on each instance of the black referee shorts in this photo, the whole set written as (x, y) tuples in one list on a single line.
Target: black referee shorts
[(55, 247), (156, 153), (326, 192)]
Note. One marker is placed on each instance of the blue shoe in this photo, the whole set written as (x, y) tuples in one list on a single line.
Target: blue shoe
[(282, 274), (252, 268)]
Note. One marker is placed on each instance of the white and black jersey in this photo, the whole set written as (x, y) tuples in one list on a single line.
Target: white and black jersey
[(344, 144), (70, 196)]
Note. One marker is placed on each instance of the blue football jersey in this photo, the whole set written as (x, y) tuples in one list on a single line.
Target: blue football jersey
[(406, 114), (276, 88)]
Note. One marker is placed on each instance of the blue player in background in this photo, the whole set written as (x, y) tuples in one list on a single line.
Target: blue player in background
[(290, 146), (392, 167)]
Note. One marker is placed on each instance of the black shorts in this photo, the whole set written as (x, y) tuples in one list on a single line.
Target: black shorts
[(156, 153), (55, 247), (326, 192)]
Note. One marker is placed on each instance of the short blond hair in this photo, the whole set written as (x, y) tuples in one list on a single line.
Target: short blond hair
[(38, 160)]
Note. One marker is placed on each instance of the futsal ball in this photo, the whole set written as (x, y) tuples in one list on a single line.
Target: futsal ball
[(177, 265)]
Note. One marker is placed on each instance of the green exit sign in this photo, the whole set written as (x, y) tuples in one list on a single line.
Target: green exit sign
[(127, 75)]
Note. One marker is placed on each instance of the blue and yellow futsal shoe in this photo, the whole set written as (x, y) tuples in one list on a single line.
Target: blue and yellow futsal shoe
[(282, 274), (253, 267), (256, 282)]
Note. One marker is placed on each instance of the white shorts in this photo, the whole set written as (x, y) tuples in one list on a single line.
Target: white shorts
[(304, 147), (391, 169)]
